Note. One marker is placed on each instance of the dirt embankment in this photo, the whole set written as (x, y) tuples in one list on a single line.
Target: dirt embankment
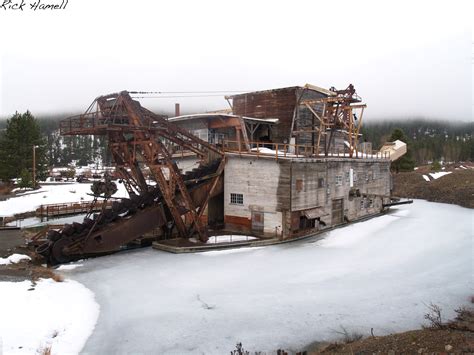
[(454, 337), (455, 188)]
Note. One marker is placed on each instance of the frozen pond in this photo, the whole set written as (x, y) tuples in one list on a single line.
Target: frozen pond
[(377, 274)]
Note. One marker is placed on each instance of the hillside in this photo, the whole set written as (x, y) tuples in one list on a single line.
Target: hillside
[(454, 188)]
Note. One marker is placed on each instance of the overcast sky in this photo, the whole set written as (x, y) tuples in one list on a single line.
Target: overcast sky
[(405, 58)]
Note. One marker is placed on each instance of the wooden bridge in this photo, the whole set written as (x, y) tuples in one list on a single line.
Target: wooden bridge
[(68, 208)]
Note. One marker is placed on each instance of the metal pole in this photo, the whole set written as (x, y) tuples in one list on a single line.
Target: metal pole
[(34, 166)]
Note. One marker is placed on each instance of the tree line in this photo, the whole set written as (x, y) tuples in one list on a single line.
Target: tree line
[(428, 141), (21, 132)]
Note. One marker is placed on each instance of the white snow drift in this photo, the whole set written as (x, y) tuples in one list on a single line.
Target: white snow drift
[(74, 192), (14, 259), (56, 315)]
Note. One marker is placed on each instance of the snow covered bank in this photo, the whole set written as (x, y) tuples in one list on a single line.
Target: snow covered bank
[(14, 259), (376, 274), (60, 315), (439, 174), (31, 200)]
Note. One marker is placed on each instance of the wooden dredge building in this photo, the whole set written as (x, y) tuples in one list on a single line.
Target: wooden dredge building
[(294, 162)]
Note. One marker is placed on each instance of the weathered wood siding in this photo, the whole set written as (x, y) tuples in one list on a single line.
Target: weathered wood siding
[(304, 117), (278, 103), (308, 192)]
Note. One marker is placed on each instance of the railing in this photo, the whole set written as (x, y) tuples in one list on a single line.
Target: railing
[(282, 150), (62, 209), (90, 122)]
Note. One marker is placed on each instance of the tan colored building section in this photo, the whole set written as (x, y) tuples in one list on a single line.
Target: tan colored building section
[(292, 197), (258, 181), (394, 150)]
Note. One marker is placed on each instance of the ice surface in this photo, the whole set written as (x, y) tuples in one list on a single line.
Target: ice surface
[(51, 194), (57, 314), (14, 259), (376, 274)]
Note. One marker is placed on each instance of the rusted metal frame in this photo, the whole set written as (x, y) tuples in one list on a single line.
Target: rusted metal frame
[(171, 128), (185, 196), (126, 157), (165, 188), (183, 143), (219, 171), (129, 182), (131, 185)]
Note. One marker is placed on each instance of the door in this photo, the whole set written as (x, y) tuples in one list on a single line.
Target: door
[(257, 221), (337, 211)]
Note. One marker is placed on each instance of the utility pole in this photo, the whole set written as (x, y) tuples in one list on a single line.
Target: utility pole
[(34, 165)]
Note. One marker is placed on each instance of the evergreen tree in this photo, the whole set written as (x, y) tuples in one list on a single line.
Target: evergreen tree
[(406, 162), (16, 148)]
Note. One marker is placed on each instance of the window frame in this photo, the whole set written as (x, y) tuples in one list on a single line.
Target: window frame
[(236, 199)]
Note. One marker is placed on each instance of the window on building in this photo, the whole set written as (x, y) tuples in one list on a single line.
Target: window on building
[(299, 185), (347, 176), (371, 203), (236, 199), (320, 182), (361, 203), (338, 180), (355, 176)]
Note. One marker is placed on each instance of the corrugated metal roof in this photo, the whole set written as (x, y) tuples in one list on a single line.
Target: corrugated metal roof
[(306, 86), (314, 213)]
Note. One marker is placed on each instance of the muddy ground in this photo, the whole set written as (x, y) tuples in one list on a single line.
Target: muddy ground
[(456, 188), (455, 337)]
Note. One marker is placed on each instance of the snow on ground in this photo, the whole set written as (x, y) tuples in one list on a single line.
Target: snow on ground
[(36, 221), (14, 259), (57, 314), (263, 150), (377, 274), (75, 192), (426, 177), (439, 174), (226, 238), (229, 238), (67, 267)]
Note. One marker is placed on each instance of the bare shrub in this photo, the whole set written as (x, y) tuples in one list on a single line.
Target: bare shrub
[(239, 350), (434, 317), (348, 337)]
